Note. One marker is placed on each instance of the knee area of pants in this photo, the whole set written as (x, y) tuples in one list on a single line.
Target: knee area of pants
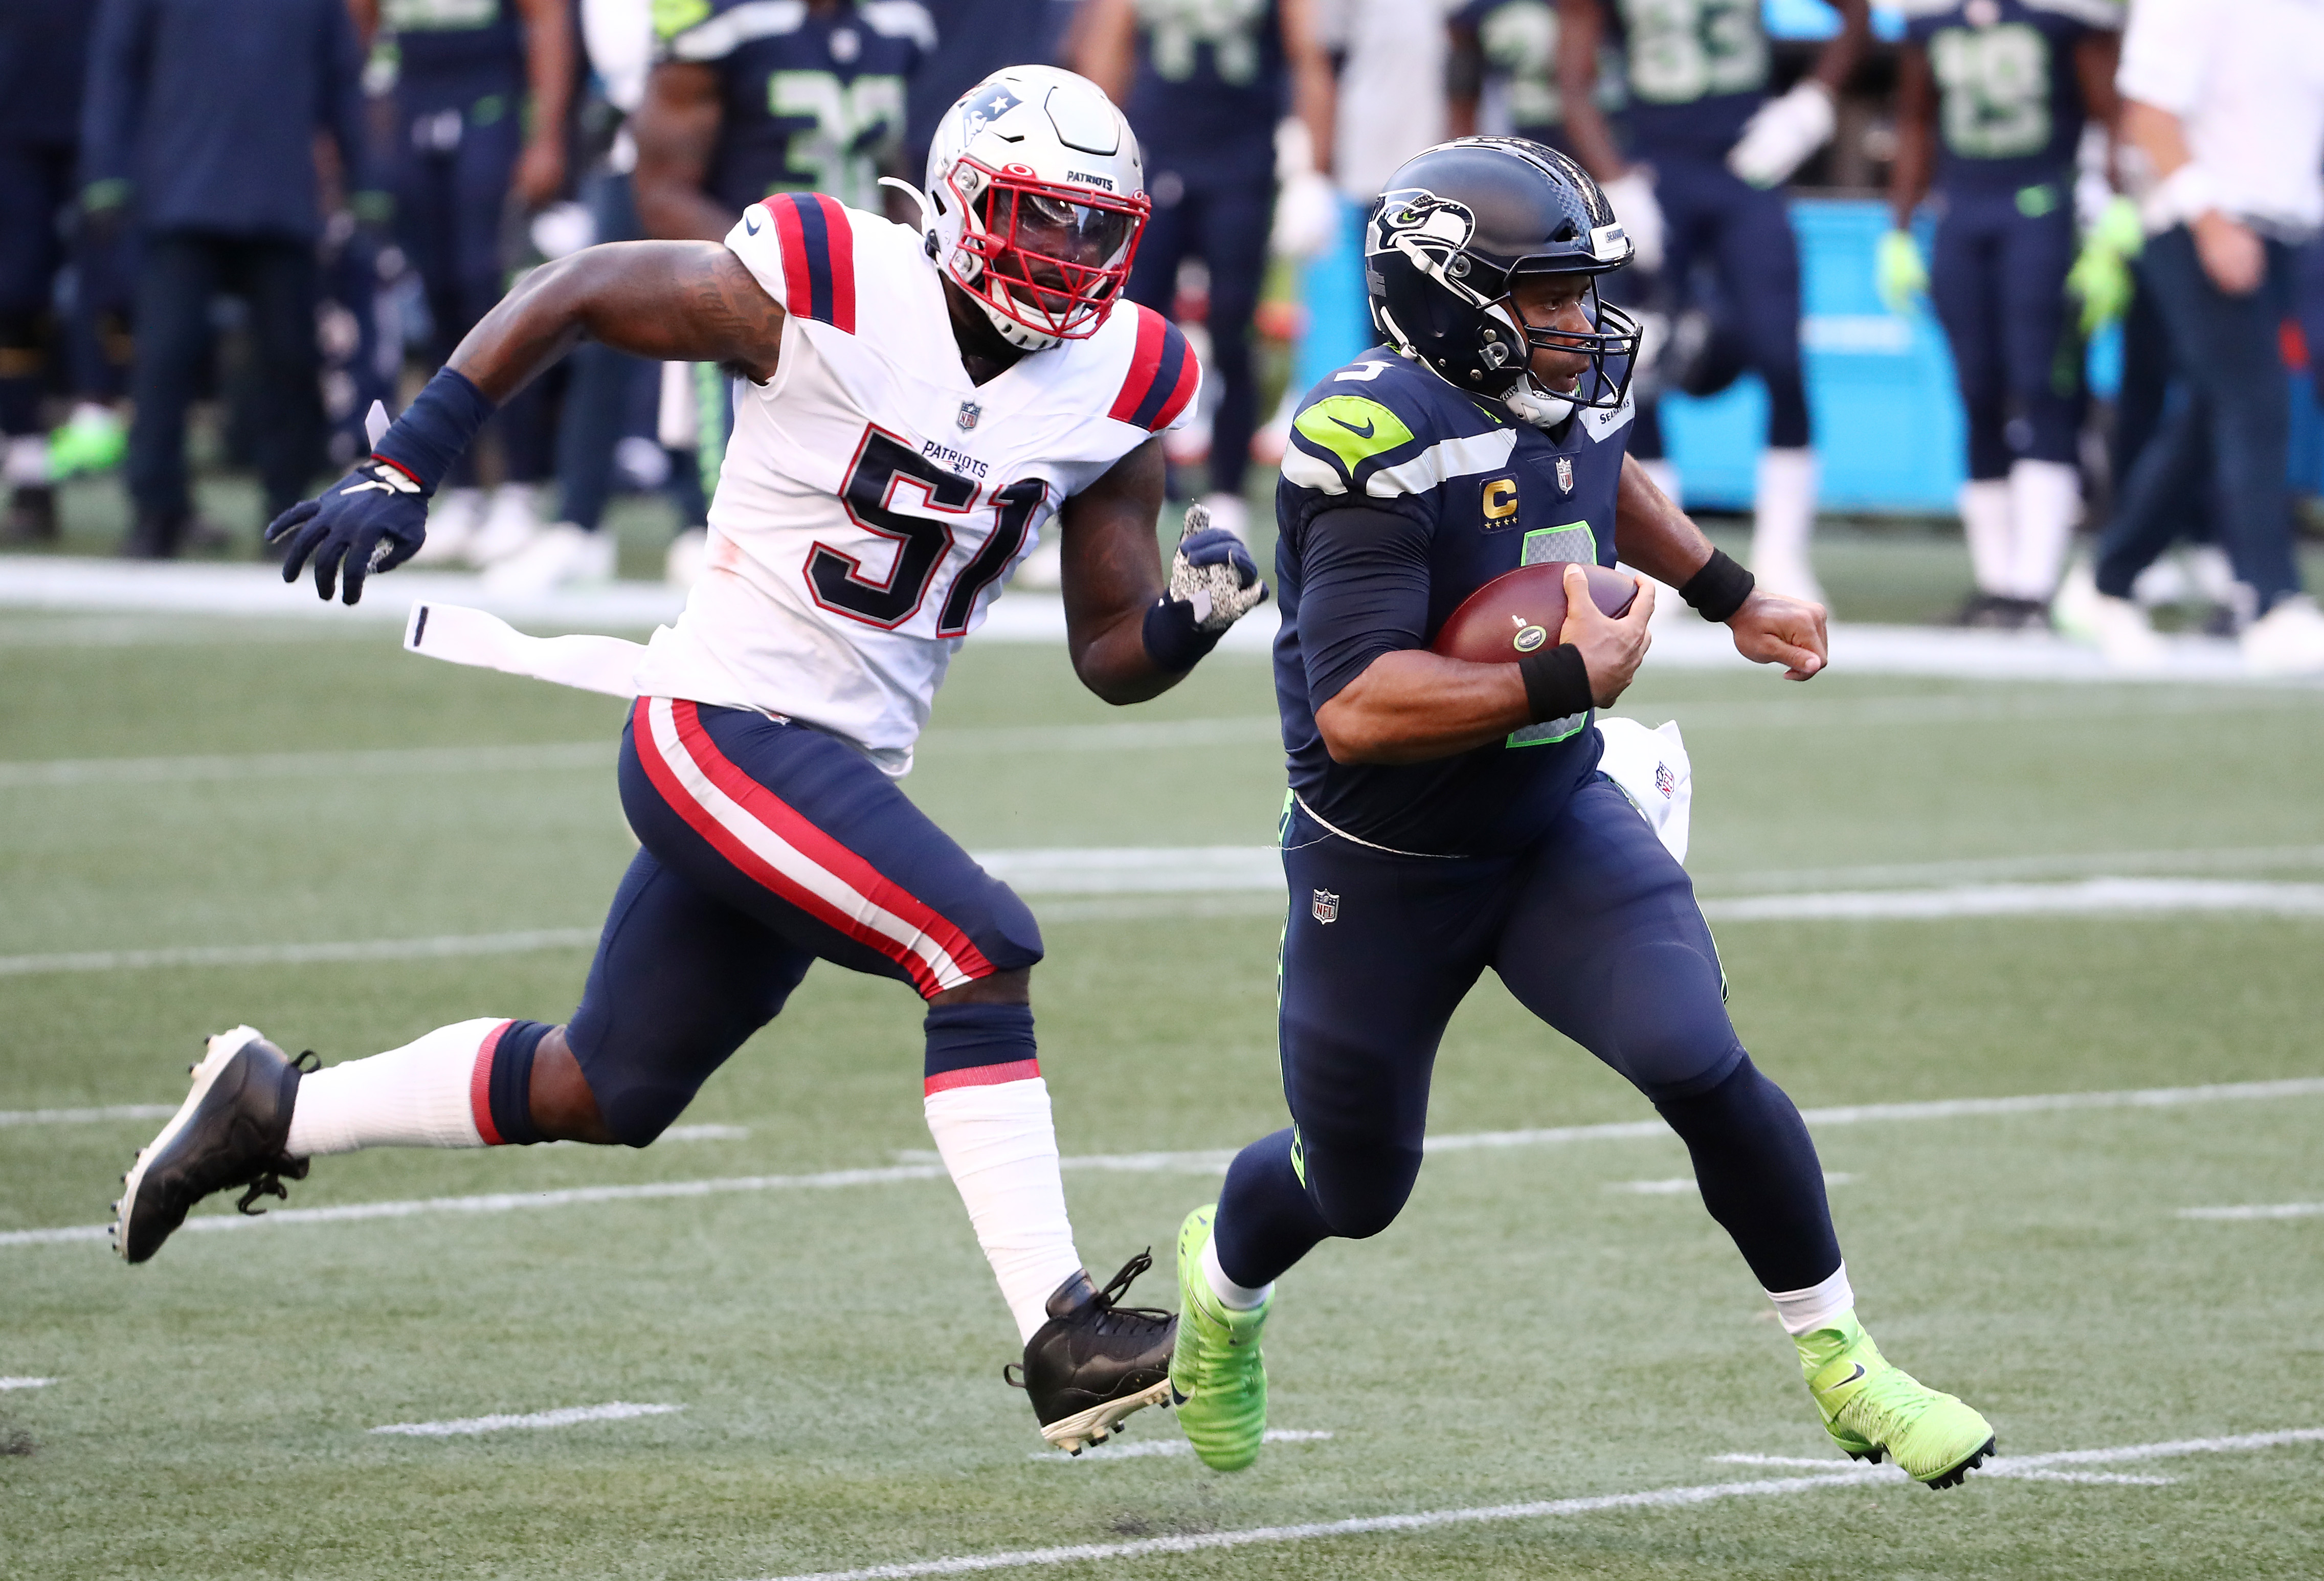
[(637, 1115), (1359, 1194), (1669, 1020)]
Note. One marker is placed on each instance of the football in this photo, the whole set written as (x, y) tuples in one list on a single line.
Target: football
[(1522, 611)]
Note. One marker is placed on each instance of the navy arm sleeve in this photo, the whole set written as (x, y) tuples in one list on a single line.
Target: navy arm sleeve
[(1364, 592), (116, 92)]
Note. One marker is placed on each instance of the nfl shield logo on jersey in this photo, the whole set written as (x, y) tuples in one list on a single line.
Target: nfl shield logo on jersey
[(1327, 906), (969, 412), (1565, 474)]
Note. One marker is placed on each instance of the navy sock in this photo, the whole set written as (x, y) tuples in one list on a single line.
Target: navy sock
[(1265, 1221), (1759, 1174), (510, 1088), (979, 1045)]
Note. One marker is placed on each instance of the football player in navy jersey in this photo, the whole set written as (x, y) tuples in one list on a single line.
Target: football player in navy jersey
[(747, 100), (1994, 94), (1708, 151), (482, 91), (1448, 816), (1204, 83)]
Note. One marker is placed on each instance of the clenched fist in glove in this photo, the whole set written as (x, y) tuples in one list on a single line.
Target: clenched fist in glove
[(1782, 133), (1213, 583)]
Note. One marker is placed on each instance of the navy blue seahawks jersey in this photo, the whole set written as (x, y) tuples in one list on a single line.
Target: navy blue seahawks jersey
[(2010, 106), (475, 45), (43, 62), (1698, 69), (1211, 83), (1455, 492), (810, 103), (1518, 42)]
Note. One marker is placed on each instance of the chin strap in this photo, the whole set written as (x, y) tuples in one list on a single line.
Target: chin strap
[(1535, 405)]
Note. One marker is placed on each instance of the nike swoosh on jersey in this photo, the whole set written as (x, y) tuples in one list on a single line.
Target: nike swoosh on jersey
[(1364, 432), (751, 221)]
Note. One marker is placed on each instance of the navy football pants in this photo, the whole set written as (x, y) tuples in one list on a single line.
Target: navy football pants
[(1997, 280), (766, 847), (1713, 215), (1594, 929)]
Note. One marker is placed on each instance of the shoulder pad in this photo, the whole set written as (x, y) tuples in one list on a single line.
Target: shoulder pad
[(1163, 375), (711, 30), (801, 248), (1394, 431)]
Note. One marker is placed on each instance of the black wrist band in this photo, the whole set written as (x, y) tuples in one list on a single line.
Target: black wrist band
[(1556, 682), (1719, 589)]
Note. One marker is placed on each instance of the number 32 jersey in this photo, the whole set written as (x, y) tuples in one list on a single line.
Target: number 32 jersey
[(873, 498)]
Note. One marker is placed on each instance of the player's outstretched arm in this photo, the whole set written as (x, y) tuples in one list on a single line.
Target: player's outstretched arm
[(1655, 536), (1133, 633), (675, 301)]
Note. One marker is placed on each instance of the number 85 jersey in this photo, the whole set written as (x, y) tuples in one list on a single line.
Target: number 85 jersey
[(873, 497)]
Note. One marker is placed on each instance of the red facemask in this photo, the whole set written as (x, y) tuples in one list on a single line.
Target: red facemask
[(1056, 254)]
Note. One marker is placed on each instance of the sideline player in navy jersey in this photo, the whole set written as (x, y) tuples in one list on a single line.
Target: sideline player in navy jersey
[(1709, 149), (482, 88), (1448, 816), (1204, 82), (746, 100), (1995, 93)]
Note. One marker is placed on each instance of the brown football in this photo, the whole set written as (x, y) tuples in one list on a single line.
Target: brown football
[(1523, 611)]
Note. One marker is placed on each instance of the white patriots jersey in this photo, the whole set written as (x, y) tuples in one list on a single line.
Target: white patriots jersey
[(873, 498)]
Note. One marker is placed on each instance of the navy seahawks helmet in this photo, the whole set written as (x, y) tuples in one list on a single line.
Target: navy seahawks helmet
[(1456, 228)]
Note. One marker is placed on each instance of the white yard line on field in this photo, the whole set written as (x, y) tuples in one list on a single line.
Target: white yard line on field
[(2258, 1210), (1128, 883), (2026, 1469), (7, 1384), (568, 1415), (1146, 1448), (1205, 1162), (84, 1117), (1544, 1510)]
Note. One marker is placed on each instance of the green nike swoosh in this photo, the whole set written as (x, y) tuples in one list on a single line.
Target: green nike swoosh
[(1364, 432)]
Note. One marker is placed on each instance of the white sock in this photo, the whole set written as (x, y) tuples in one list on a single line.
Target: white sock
[(25, 460), (1663, 473), (422, 1095), (1819, 1306), (1986, 522), (998, 1145), (2045, 500), (1783, 519), (1231, 1295)]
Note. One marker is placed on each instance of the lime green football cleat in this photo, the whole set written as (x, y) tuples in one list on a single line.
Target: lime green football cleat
[(1873, 1407), (1216, 1370), (94, 441)]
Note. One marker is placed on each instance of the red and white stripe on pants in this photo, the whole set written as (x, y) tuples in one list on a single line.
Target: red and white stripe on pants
[(778, 848)]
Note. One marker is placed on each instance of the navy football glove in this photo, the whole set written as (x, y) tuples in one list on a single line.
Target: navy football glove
[(372, 520), (1213, 583)]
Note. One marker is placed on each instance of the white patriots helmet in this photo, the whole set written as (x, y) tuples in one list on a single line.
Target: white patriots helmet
[(1035, 198)]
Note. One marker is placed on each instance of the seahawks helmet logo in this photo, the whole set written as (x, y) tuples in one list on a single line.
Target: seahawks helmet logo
[(1415, 219)]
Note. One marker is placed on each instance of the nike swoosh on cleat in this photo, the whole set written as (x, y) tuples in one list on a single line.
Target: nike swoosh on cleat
[(1851, 1378), (1364, 432)]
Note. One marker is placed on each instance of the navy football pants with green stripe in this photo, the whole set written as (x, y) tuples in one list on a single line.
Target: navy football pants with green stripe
[(1595, 930)]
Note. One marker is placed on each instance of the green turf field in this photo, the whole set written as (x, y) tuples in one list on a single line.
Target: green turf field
[(1550, 1321)]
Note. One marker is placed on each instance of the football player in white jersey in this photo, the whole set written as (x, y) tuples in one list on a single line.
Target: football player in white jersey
[(919, 401)]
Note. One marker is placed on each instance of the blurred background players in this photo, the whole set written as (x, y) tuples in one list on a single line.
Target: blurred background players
[(200, 128), (1996, 93), (2223, 101), (1204, 83), (50, 337), (1699, 183), (481, 95), (746, 100)]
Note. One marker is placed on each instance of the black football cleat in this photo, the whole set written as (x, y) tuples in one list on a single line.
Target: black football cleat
[(1095, 1361), (229, 1132)]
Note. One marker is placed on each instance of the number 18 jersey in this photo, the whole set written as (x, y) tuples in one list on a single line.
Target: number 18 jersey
[(873, 498)]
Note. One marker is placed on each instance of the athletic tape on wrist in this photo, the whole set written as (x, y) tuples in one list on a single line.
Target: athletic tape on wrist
[(1556, 682), (433, 430), (1719, 589)]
